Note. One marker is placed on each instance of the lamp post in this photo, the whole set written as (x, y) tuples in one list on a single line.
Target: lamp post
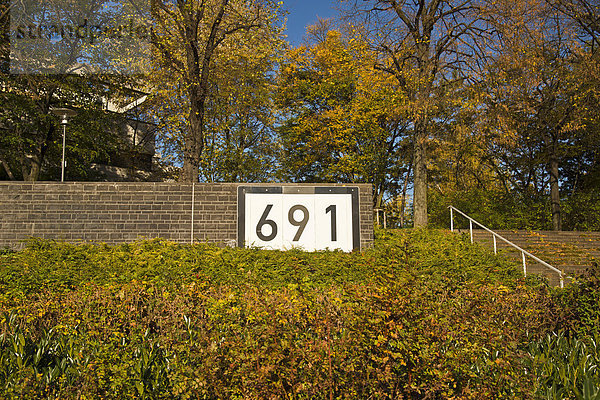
[(64, 113)]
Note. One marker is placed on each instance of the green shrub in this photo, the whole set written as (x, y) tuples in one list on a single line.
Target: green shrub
[(424, 314), (581, 302), (46, 361), (566, 368), (582, 211)]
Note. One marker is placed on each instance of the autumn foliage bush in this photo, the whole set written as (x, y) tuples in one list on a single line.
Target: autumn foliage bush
[(423, 314)]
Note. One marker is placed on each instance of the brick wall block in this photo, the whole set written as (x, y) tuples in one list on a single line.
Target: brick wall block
[(126, 211)]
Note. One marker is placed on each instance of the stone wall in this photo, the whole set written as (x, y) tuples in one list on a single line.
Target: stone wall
[(124, 212)]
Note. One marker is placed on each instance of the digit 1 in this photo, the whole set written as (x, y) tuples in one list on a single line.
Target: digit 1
[(302, 223), (333, 222)]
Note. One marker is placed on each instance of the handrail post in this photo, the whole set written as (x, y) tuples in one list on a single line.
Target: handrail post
[(562, 283), (451, 220), (495, 248), (524, 264), (471, 229)]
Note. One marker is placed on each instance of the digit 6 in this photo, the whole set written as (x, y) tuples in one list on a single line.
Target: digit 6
[(264, 221)]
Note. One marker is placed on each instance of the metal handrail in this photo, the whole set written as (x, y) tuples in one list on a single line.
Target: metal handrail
[(495, 235)]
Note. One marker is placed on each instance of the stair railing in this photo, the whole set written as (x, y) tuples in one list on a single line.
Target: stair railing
[(497, 236)]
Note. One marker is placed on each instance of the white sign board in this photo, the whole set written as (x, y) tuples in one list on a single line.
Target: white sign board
[(305, 217)]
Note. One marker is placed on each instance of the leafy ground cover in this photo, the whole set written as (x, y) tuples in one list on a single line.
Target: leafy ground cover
[(424, 314)]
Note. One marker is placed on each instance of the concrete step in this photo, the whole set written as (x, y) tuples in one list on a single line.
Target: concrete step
[(571, 252), (592, 248)]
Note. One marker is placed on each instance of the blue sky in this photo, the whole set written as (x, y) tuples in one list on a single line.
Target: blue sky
[(305, 12)]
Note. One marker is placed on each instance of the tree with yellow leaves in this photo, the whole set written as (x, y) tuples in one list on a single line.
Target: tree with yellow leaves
[(194, 40), (536, 97), (426, 46), (342, 121)]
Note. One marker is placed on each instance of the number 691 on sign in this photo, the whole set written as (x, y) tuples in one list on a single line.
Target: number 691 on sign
[(309, 218)]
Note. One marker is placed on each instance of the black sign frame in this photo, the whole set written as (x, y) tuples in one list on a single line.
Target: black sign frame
[(352, 190)]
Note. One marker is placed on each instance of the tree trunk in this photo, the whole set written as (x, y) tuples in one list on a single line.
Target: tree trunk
[(194, 143), (191, 161), (30, 168), (198, 65), (7, 169), (554, 193), (378, 195), (34, 172), (4, 36), (420, 176), (31, 165)]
